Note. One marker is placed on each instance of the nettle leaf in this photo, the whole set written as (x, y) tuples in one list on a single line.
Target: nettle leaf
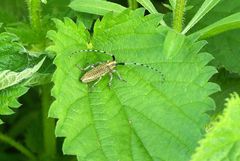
[(8, 98), (14, 71), (12, 54), (144, 118), (10, 78), (229, 83), (222, 141), (14, 87)]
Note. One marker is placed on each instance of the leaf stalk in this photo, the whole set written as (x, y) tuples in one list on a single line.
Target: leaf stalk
[(34, 9), (48, 123), (132, 4), (18, 146), (178, 13)]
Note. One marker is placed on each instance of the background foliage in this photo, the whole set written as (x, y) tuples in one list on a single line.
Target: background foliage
[(174, 116)]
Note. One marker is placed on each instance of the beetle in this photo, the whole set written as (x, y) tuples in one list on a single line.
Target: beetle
[(95, 72)]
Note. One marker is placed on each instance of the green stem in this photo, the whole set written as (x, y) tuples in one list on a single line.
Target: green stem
[(132, 4), (48, 123), (34, 8), (18, 146), (178, 15)]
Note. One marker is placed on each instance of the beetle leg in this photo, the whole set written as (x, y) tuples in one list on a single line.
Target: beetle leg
[(119, 76), (89, 66), (110, 81), (96, 82)]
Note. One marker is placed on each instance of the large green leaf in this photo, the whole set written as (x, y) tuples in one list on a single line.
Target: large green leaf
[(141, 119), (222, 142)]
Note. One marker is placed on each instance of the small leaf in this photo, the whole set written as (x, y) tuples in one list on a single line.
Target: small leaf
[(223, 140), (95, 6), (148, 5), (44, 1), (8, 98), (172, 3), (204, 9), (167, 6), (229, 23)]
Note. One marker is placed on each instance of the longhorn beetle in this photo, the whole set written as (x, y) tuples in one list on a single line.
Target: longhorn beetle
[(98, 70)]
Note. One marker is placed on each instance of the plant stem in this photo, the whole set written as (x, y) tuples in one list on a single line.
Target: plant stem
[(17, 146), (178, 13), (132, 4), (48, 123), (34, 8)]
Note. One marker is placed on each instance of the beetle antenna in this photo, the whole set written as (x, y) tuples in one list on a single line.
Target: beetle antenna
[(96, 51), (143, 65)]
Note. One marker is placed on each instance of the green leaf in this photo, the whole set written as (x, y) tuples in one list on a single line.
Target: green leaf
[(87, 19), (15, 67), (44, 1), (24, 32), (12, 54), (43, 75), (229, 83), (10, 78), (39, 79), (148, 5), (226, 52), (95, 6), (203, 10), (229, 23), (222, 141), (141, 119), (12, 88), (8, 98), (172, 3), (12, 11)]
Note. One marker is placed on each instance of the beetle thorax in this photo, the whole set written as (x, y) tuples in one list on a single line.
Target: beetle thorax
[(111, 64)]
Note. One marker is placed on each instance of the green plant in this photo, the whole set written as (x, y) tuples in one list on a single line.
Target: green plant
[(144, 118)]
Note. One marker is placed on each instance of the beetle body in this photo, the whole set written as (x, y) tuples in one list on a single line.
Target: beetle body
[(98, 71)]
